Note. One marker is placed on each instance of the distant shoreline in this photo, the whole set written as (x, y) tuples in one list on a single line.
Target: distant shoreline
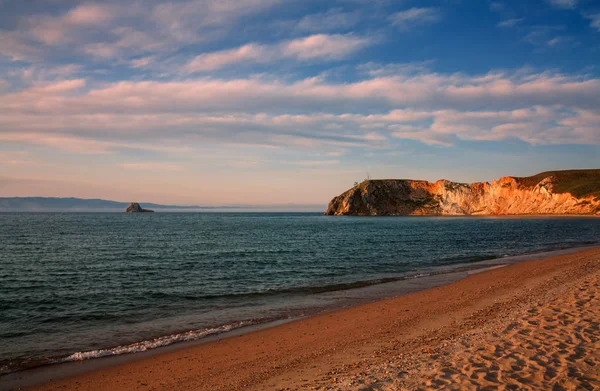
[(96, 205), (236, 209)]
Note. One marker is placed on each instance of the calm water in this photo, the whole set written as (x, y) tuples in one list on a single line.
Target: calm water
[(76, 286)]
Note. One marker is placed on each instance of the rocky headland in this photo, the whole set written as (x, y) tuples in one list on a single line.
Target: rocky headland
[(573, 192), (134, 207)]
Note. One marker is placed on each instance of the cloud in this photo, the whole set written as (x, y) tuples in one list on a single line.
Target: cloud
[(59, 141), (332, 20), (320, 46), (141, 62), (153, 166), (564, 4), (541, 35), (497, 6), (216, 60), (422, 134), (312, 163), (203, 95), (324, 46), (180, 17), (127, 42), (89, 15), (18, 158), (510, 22), (594, 20), (415, 16), (76, 144), (434, 108), (559, 41), (113, 29), (40, 74), (62, 29)]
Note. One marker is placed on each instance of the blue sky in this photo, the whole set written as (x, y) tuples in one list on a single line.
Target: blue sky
[(277, 102)]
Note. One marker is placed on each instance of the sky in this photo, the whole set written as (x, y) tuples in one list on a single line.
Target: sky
[(261, 102)]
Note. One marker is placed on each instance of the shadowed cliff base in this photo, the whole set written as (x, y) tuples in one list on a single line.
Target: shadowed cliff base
[(571, 192)]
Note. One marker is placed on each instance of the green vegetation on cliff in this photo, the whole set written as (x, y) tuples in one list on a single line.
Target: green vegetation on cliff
[(580, 183)]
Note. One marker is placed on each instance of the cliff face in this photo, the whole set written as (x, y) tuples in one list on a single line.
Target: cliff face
[(506, 196)]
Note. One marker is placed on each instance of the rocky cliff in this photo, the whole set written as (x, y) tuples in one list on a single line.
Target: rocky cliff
[(557, 192), (134, 207)]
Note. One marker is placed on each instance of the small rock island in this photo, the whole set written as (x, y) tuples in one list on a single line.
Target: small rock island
[(134, 207)]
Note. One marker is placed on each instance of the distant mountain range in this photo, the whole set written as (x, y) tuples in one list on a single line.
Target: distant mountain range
[(49, 204), (54, 204)]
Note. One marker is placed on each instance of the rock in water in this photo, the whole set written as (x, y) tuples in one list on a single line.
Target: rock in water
[(574, 192), (134, 207)]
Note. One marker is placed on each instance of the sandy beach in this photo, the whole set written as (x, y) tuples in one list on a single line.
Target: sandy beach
[(532, 325)]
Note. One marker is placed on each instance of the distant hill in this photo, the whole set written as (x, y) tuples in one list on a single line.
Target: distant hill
[(50, 204), (53, 204)]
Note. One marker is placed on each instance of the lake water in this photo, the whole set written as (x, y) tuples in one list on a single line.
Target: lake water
[(76, 286)]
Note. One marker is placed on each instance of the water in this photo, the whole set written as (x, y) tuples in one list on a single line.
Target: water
[(76, 286)]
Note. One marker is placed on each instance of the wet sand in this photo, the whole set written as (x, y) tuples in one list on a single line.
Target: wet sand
[(531, 325)]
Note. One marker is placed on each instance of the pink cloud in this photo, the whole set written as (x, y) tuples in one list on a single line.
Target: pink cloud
[(59, 141), (53, 30), (216, 60), (320, 46), (126, 29), (433, 108), (89, 15), (313, 163), (323, 46), (152, 166)]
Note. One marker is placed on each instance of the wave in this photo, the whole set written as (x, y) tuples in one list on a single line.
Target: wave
[(143, 346), (136, 347)]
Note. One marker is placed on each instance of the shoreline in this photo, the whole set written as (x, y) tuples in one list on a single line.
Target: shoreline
[(82, 369), (360, 292)]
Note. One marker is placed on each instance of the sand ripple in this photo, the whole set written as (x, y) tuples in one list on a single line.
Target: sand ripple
[(554, 347), (551, 343)]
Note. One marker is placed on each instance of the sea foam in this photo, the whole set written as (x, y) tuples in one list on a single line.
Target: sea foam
[(143, 346)]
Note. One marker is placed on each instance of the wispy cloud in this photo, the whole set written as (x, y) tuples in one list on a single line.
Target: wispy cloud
[(113, 29), (565, 4), (540, 108), (152, 166), (324, 46), (18, 158), (333, 20), (312, 163), (594, 20), (415, 16), (320, 46), (559, 41), (510, 22), (497, 6), (54, 30), (545, 35)]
